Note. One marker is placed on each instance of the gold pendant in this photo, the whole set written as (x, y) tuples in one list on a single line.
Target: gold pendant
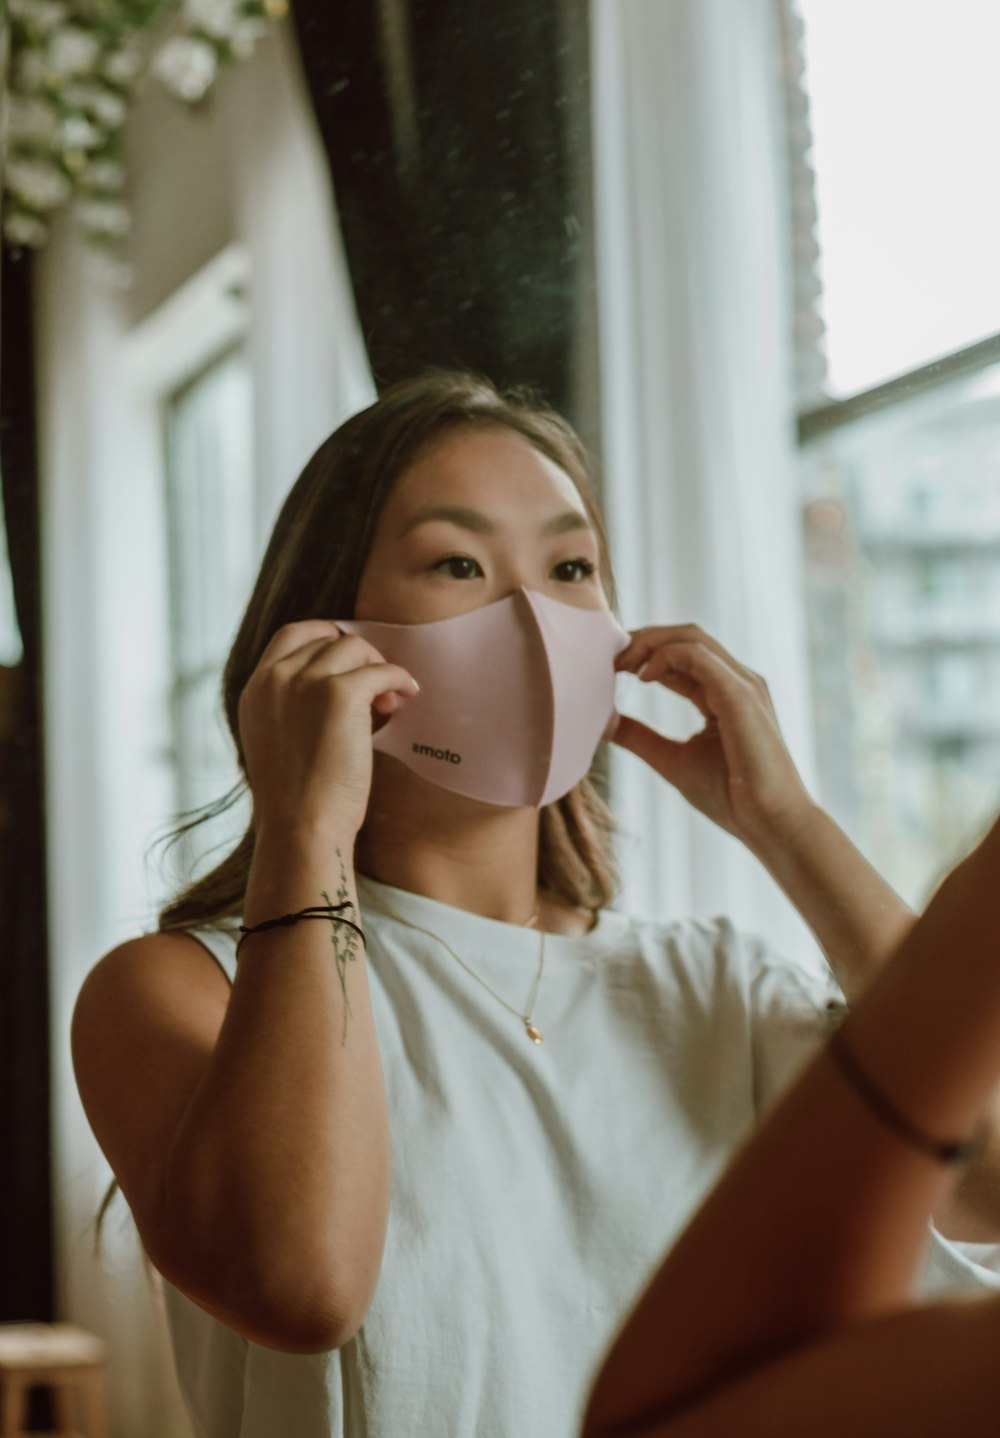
[(535, 1035)]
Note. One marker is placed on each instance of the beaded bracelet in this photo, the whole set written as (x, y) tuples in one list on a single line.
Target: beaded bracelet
[(315, 911), (954, 1151)]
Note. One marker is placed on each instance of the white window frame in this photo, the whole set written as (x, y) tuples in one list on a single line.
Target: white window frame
[(206, 317)]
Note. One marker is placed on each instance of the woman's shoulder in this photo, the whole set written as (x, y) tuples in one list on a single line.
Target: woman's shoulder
[(160, 954), (718, 950)]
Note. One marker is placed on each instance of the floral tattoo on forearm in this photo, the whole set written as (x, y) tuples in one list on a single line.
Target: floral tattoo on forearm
[(345, 940)]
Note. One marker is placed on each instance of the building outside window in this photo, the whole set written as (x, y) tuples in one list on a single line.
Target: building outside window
[(900, 436)]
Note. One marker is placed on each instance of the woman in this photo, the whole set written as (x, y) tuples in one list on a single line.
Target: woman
[(425, 953)]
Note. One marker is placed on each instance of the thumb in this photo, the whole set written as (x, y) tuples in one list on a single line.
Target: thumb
[(666, 756)]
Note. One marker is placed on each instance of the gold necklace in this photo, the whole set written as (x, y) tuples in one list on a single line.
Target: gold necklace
[(531, 1029)]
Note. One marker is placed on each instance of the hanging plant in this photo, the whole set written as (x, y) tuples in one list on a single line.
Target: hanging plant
[(74, 69)]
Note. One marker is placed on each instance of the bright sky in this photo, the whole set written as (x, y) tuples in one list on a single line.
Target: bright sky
[(905, 101)]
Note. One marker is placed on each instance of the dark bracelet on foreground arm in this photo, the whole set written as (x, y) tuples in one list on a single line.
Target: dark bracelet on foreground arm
[(957, 1151), (315, 911)]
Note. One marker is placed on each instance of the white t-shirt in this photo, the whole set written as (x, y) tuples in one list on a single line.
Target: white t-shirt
[(535, 1189)]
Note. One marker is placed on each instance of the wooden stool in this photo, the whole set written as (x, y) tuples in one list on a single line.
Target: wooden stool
[(68, 1360)]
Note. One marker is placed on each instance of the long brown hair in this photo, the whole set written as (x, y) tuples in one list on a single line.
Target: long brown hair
[(312, 566)]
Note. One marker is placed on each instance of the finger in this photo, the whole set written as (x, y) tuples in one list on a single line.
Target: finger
[(328, 654), (646, 641), (387, 703), (367, 682), (710, 680), (687, 688), (333, 656), (290, 637), (723, 687), (666, 756), (643, 641)]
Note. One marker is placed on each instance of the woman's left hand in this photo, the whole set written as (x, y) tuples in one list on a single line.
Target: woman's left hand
[(737, 769)]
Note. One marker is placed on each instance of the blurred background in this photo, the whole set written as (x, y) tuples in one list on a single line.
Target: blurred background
[(747, 246)]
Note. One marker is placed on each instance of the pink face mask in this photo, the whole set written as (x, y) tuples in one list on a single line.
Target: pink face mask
[(514, 696)]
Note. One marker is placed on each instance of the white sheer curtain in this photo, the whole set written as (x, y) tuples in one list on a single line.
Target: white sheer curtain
[(695, 309), (309, 360), (11, 648), (105, 590)]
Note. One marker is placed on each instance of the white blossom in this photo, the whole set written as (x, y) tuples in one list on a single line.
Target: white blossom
[(39, 17), (31, 118), (186, 66), (244, 37), (95, 100), (70, 86), (76, 133), (39, 184), (214, 17), (104, 217), (123, 65), (23, 229), (110, 109), (105, 175), (73, 51)]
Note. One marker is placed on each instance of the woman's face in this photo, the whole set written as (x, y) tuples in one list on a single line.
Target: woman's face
[(477, 515)]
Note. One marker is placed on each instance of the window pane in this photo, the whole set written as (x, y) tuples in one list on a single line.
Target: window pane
[(209, 427), (905, 110), (902, 525)]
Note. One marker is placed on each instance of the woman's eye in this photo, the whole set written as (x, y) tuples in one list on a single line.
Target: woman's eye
[(574, 570), (459, 566)]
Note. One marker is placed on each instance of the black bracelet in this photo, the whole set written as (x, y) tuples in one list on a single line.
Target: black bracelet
[(960, 1151), (315, 911)]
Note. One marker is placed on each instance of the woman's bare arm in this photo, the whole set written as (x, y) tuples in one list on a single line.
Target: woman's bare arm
[(821, 1220), (859, 921), (926, 1372), (249, 1130), (252, 1138)]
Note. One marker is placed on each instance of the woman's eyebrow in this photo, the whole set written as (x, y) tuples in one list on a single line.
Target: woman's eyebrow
[(472, 519)]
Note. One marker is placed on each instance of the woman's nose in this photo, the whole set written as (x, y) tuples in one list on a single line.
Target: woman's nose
[(515, 577)]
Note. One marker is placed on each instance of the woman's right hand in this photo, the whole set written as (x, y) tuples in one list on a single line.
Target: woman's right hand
[(305, 722)]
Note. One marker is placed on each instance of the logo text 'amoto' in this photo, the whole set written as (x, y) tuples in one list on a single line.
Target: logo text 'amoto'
[(432, 753)]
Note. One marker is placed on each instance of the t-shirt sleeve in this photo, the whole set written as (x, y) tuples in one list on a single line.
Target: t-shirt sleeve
[(793, 1007), (221, 944)]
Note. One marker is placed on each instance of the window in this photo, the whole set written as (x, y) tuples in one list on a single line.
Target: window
[(902, 535), (211, 560), (904, 112), (901, 480)]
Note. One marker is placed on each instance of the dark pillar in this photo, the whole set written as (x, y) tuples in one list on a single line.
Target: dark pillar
[(458, 135), (26, 1257)]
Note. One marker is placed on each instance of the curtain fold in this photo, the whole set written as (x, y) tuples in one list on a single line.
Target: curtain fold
[(11, 644), (17, 460), (459, 145), (698, 401), (306, 342)]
